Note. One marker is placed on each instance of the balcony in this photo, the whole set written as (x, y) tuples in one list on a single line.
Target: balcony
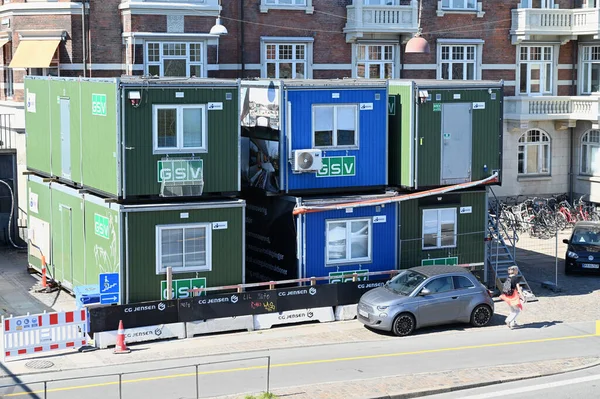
[(395, 17), (565, 24), (559, 109)]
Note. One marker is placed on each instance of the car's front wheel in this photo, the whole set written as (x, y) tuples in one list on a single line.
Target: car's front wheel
[(481, 316), (404, 324)]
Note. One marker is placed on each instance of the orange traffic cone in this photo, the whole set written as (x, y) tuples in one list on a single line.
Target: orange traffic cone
[(120, 347), (44, 282)]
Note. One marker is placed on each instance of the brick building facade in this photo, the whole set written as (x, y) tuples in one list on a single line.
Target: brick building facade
[(537, 47)]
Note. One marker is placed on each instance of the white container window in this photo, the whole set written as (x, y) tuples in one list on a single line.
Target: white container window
[(591, 70), (374, 61), (458, 62), (174, 59), (439, 228), (348, 241), (285, 60), (535, 69), (184, 248), (534, 153), (335, 126), (179, 129), (590, 153)]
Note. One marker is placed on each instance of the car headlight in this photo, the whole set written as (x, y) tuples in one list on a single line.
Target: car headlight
[(572, 255), (382, 307)]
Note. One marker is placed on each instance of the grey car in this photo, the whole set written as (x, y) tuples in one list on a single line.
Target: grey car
[(426, 296)]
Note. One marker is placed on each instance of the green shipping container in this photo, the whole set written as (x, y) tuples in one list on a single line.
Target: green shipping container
[(444, 132), (134, 138), (81, 235), (443, 229)]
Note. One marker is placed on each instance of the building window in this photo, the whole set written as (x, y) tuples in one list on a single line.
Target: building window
[(374, 61), (458, 62), (348, 241), (591, 70), (537, 3), (297, 3), (305, 5), (174, 59), (387, 2), (535, 69), (185, 248), (335, 126), (179, 128), (534, 153), (439, 228), (285, 60), (8, 72), (590, 153), (459, 5)]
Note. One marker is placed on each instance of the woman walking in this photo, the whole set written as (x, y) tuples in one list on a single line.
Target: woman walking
[(511, 294)]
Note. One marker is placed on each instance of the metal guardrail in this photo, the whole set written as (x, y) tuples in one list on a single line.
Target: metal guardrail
[(119, 377), (7, 135)]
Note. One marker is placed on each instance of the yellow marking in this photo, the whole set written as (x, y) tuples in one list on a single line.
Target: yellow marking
[(311, 362)]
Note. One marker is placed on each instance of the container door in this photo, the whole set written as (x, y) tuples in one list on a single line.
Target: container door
[(456, 143), (65, 137), (66, 218)]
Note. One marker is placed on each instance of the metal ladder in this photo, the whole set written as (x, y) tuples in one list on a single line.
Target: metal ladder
[(499, 255)]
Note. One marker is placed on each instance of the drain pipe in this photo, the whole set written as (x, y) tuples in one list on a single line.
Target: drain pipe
[(83, 41), (571, 129), (242, 40)]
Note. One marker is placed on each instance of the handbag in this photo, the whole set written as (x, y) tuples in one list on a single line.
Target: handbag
[(507, 287)]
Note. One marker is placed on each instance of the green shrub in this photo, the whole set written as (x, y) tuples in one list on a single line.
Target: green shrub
[(264, 395)]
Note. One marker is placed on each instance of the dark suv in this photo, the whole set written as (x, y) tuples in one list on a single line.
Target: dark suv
[(583, 252)]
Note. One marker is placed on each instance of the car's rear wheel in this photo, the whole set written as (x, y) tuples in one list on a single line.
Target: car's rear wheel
[(404, 324), (481, 316)]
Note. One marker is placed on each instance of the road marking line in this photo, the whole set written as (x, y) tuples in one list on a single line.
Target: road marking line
[(597, 327), (533, 388), (303, 363)]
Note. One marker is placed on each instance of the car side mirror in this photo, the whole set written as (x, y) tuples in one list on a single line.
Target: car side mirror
[(565, 240), (424, 292)]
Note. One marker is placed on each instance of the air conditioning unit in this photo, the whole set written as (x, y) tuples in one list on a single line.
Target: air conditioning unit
[(307, 160)]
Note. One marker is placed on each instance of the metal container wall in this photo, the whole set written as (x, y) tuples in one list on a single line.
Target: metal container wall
[(227, 245), (383, 240), (470, 228), (221, 164), (68, 234), (401, 132), (39, 214), (370, 166), (37, 123)]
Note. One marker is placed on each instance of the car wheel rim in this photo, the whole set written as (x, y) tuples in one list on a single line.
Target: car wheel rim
[(404, 325), (482, 316)]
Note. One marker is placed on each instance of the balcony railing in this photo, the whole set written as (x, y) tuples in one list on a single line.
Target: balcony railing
[(585, 108), (555, 22), (398, 17)]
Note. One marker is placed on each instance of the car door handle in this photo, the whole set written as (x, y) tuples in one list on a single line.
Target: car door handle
[(454, 297)]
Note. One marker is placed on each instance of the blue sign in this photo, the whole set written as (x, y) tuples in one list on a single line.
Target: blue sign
[(109, 299), (109, 288)]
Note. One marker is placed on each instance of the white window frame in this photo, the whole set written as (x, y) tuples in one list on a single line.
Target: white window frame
[(544, 4), (585, 63), (540, 161), (394, 61), (453, 7), (334, 145), (208, 245), (553, 67), (306, 6), (162, 57), (348, 259), (586, 168), (179, 148), (293, 41), (439, 229)]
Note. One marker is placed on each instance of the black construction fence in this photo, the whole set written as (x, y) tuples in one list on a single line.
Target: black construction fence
[(106, 318)]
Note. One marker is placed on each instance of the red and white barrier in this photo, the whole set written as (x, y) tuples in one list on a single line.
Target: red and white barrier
[(44, 332)]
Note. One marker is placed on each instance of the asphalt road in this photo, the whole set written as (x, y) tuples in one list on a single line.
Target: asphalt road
[(577, 385), (428, 350)]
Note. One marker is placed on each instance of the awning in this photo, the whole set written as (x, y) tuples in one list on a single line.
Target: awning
[(34, 54)]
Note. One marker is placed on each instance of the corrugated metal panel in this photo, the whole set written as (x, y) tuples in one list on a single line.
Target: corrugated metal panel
[(99, 105), (370, 162), (401, 135), (39, 216), (67, 236), (470, 231), (37, 122), (383, 240), (486, 138), (220, 163), (227, 249)]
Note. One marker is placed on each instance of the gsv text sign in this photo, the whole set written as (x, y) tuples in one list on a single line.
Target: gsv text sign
[(180, 170)]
